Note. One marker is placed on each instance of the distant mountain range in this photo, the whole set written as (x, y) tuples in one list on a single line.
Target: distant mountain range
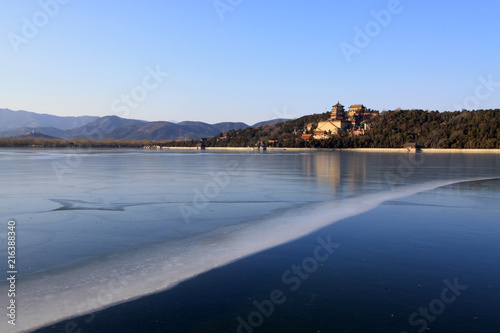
[(22, 123), (10, 120)]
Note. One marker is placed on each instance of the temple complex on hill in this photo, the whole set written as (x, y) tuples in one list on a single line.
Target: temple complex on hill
[(353, 121)]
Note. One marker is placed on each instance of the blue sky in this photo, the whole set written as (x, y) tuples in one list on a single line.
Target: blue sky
[(246, 60)]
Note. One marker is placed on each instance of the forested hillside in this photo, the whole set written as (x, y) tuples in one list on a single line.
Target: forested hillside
[(391, 129)]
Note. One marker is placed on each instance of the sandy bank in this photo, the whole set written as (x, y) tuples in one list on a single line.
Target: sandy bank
[(364, 150)]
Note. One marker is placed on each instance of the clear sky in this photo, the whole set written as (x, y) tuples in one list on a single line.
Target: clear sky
[(246, 60)]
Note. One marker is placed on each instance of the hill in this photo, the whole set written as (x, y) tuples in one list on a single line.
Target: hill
[(433, 129), (10, 120), (100, 128), (164, 130), (38, 135), (270, 122), (227, 126), (391, 129), (21, 131)]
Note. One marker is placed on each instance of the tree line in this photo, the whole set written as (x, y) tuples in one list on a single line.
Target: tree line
[(89, 143)]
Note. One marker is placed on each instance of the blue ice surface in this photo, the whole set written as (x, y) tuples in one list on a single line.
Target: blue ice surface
[(90, 209)]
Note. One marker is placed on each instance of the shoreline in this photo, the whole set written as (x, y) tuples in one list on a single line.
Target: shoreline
[(371, 150), (286, 149)]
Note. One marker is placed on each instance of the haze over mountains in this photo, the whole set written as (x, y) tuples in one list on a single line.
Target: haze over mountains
[(20, 123)]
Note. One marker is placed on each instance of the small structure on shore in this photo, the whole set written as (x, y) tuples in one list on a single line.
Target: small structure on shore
[(201, 144), (411, 147), (260, 146)]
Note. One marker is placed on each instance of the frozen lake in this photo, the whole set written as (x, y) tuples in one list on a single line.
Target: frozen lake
[(101, 227)]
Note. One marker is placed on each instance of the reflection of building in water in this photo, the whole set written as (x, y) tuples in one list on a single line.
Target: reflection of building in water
[(324, 168), (357, 171), (343, 172)]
